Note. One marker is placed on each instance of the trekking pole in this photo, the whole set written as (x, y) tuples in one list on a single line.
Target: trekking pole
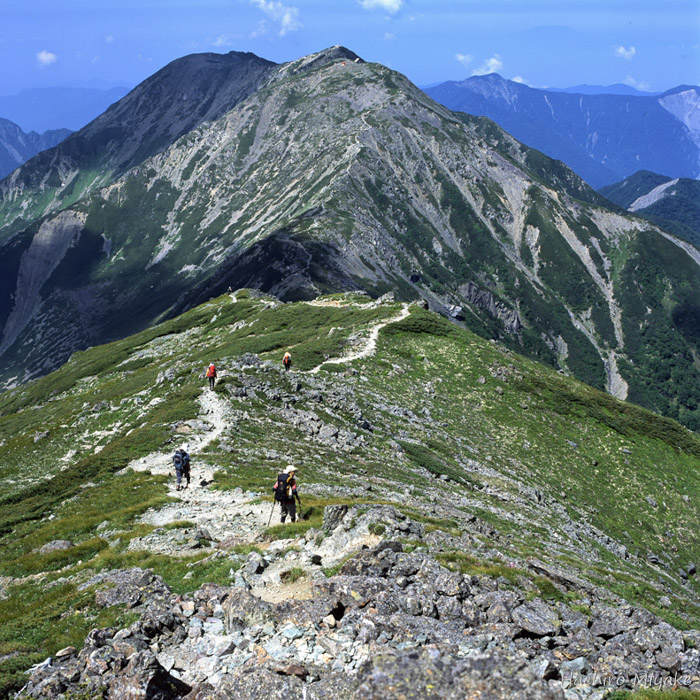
[(271, 512)]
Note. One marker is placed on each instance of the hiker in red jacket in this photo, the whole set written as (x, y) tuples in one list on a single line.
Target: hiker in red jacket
[(211, 375)]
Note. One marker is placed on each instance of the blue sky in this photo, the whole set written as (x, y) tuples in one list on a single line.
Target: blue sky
[(649, 44)]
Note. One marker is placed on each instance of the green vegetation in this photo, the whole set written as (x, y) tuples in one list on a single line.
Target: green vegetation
[(293, 575), (440, 402), (653, 694), (35, 622)]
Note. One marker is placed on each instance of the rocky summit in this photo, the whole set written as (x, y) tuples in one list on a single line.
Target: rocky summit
[(331, 174), (472, 524)]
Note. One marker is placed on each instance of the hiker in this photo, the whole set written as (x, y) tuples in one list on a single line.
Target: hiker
[(181, 462), (211, 375), (285, 490), (287, 361), (186, 463)]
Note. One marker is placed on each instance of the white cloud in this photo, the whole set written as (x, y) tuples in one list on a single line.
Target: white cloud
[(490, 65), (519, 79), (627, 54), (388, 36), (222, 41), (46, 58), (288, 17), (261, 30), (109, 39), (464, 58), (641, 85), (388, 5)]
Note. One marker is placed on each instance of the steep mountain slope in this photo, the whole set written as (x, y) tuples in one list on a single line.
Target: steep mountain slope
[(512, 505), (603, 138), (16, 147), (43, 109), (175, 100), (336, 174), (672, 204)]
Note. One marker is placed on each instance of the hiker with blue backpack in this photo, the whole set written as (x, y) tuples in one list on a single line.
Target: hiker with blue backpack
[(285, 490), (181, 462)]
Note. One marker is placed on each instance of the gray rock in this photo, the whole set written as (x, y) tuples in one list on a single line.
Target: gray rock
[(608, 622), (432, 674), (292, 632), (242, 610), (55, 546), (668, 659), (254, 565), (575, 666), (536, 618), (332, 516), (144, 677)]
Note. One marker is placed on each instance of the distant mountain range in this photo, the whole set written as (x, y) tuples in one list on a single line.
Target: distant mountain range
[(42, 109), (17, 147), (331, 174), (671, 203), (615, 89), (604, 138)]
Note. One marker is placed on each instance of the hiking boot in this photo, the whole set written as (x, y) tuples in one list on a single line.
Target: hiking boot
[(177, 488)]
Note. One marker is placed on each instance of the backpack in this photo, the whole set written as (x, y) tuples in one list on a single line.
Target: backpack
[(177, 460), (185, 460), (281, 490), (211, 371)]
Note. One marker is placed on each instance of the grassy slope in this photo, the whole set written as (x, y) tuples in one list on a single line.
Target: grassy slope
[(440, 401)]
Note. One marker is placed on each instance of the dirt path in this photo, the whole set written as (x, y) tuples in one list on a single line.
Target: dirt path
[(370, 344), (216, 411), (230, 517)]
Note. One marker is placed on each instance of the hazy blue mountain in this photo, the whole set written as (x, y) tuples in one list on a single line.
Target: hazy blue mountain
[(673, 204), (40, 109), (603, 138), (17, 147), (615, 89), (330, 174)]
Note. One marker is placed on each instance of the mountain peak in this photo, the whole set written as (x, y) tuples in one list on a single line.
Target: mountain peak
[(324, 174), (323, 58)]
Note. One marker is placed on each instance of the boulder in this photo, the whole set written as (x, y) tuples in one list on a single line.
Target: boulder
[(430, 673), (242, 609), (56, 546), (536, 618), (333, 516), (145, 678)]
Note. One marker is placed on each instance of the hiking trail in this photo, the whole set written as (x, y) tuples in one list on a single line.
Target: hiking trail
[(369, 345), (228, 518)]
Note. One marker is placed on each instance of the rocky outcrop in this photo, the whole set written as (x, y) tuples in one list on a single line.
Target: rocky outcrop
[(390, 624), (38, 262), (483, 299)]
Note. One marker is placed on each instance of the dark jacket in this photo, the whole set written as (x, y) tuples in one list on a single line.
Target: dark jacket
[(291, 491)]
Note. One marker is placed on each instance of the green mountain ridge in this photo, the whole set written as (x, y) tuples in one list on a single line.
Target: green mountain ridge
[(514, 470), (670, 204), (331, 174)]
